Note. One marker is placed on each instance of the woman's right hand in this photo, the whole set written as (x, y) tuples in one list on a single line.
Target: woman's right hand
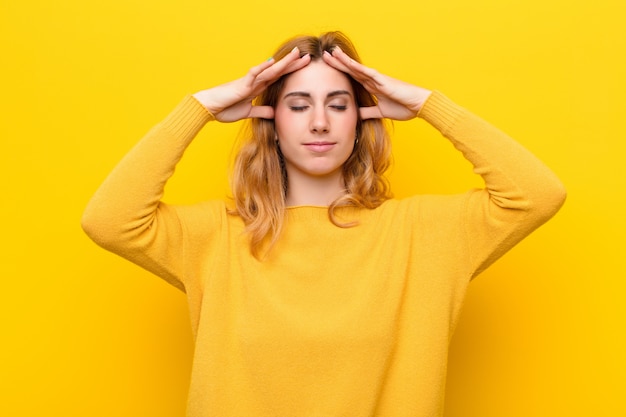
[(232, 101)]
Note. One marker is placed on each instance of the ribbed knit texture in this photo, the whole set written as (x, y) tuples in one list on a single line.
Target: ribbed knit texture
[(336, 321)]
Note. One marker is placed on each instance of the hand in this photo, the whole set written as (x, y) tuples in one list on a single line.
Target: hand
[(232, 101), (396, 99)]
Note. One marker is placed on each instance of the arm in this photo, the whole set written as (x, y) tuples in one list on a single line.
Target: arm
[(126, 215), (520, 193)]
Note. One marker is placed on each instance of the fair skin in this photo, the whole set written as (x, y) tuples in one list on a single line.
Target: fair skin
[(315, 116), (315, 120)]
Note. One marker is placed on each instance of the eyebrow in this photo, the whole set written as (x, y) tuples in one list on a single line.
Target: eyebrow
[(305, 94)]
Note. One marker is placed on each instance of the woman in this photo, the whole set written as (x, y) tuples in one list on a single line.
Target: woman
[(315, 293)]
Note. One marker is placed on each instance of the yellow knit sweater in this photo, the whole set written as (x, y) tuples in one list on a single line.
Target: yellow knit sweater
[(337, 321)]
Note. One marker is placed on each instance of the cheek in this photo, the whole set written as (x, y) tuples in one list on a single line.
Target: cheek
[(284, 120), (349, 122)]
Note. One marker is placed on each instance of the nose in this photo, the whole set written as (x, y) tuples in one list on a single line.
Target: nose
[(319, 122)]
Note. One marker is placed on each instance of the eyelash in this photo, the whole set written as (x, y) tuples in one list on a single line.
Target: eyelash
[(303, 108)]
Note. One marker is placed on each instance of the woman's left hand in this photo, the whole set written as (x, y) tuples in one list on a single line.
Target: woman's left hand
[(396, 99)]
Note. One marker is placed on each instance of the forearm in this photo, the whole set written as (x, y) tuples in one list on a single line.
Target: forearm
[(513, 176), (122, 214)]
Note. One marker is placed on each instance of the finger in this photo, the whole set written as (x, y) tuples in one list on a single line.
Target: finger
[(272, 74), (277, 69), (261, 112), (335, 63), (339, 55), (297, 64), (372, 112), (258, 69), (357, 70), (265, 72)]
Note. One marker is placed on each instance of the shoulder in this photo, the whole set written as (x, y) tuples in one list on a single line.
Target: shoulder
[(204, 217), (425, 206)]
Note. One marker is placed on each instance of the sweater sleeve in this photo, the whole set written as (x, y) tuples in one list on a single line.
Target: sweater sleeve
[(520, 193), (126, 215)]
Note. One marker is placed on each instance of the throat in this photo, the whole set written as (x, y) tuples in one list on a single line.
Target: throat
[(305, 190)]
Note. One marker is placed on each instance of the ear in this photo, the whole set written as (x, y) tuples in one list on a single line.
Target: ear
[(372, 112), (261, 112)]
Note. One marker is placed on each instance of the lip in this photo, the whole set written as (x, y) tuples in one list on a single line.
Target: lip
[(319, 146)]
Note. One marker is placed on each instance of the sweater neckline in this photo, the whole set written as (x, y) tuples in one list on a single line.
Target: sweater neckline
[(307, 212)]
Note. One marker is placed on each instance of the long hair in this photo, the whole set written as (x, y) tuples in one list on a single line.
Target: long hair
[(259, 178)]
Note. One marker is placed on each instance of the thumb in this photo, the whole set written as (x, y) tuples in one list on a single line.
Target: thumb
[(372, 112), (261, 112)]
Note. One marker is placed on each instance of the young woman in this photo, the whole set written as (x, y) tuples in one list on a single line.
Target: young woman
[(313, 293)]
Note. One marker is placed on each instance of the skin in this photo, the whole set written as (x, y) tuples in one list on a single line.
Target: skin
[(314, 173), (315, 120)]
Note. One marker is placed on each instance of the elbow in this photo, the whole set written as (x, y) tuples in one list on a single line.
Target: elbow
[(551, 199), (114, 230), (560, 194), (92, 226), (97, 226), (89, 224)]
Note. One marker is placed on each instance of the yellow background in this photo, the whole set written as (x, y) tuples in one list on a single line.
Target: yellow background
[(85, 333)]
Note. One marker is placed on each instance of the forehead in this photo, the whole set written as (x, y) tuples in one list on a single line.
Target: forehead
[(317, 78)]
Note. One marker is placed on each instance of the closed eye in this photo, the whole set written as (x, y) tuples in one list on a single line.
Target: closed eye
[(339, 107), (298, 108)]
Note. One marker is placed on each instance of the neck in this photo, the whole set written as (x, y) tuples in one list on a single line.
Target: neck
[(305, 190)]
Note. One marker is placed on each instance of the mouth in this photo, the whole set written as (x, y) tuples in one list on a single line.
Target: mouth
[(319, 146)]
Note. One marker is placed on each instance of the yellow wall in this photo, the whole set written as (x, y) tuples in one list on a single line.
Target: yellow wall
[(87, 334)]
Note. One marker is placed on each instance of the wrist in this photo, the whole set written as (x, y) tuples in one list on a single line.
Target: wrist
[(206, 99), (422, 97), (206, 109)]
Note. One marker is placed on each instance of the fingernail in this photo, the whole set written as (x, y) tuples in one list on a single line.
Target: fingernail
[(295, 49), (270, 58)]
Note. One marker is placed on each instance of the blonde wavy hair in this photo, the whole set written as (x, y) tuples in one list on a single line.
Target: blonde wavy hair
[(259, 179)]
